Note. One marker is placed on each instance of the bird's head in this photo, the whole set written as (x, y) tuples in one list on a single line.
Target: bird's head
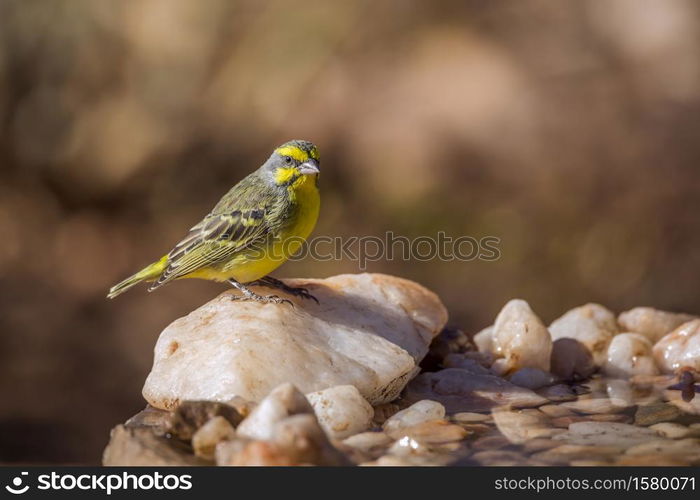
[(293, 162)]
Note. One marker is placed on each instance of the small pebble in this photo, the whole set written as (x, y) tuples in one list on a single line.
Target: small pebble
[(594, 405), (653, 414), (206, 438), (417, 413), (558, 393), (470, 417), (555, 411), (674, 431), (432, 432), (519, 426), (368, 442)]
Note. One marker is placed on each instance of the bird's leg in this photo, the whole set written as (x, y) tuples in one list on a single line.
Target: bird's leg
[(249, 294), (271, 282)]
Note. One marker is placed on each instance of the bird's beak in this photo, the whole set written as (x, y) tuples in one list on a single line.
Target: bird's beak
[(309, 167)]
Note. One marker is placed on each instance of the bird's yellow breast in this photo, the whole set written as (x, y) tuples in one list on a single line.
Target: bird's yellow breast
[(245, 267)]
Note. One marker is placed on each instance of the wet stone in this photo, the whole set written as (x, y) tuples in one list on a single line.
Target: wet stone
[(499, 458), (494, 442), (558, 393), (594, 405), (612, 434), (555, 411), (653, 414), (519, 426), (432, 432), (470, 418), (674, 431), (566, 453)]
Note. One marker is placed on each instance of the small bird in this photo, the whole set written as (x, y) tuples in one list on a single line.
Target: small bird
[(255, 228)]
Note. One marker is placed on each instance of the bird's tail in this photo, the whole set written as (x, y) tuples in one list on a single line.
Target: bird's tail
[(148, 273)]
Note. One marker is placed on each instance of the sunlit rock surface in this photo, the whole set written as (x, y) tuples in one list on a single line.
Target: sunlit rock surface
[(370, 331)]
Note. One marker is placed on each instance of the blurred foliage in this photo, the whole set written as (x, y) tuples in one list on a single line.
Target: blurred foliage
[(566, 128)]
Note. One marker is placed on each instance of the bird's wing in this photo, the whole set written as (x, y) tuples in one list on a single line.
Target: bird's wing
[(218, 237)]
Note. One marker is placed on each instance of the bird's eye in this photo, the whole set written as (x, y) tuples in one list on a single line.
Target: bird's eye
[(288, 160)]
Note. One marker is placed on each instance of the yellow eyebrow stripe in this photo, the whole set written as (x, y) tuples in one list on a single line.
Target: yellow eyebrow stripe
[(297, 153)]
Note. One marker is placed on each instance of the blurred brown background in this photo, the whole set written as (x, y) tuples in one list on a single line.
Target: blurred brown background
[(568, 129)]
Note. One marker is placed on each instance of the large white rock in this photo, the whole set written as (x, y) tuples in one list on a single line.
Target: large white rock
[(592, 324), (370, 331), (520, 339), (680, 348), (650, 322)]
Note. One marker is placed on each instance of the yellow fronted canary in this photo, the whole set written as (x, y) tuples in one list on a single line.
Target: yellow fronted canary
[(255, 228)]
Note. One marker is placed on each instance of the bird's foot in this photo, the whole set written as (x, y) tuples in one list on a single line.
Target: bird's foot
[(264, 299), (294, 291), (250, 295)]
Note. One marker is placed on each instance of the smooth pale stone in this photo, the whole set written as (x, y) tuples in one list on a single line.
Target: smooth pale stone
[(613, 434), (595, 406), (281, 403), (520, 426), (460, 390), (417, 413), (630, 354), (369, 442), (531, 378), (652, 323), (295, 440), (431, 432), (666, 447), (466, 417), (674, 431), (592, 324), (680, 348), (571, 360), (370, 331), (520, 338), (555, 411), (209, 435), (341, 410), (484, 340)]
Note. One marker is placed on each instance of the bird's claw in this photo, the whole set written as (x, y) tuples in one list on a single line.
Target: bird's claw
[(303, 293)]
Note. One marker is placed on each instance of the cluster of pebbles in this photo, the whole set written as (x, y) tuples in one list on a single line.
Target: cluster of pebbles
[(592, 388)]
